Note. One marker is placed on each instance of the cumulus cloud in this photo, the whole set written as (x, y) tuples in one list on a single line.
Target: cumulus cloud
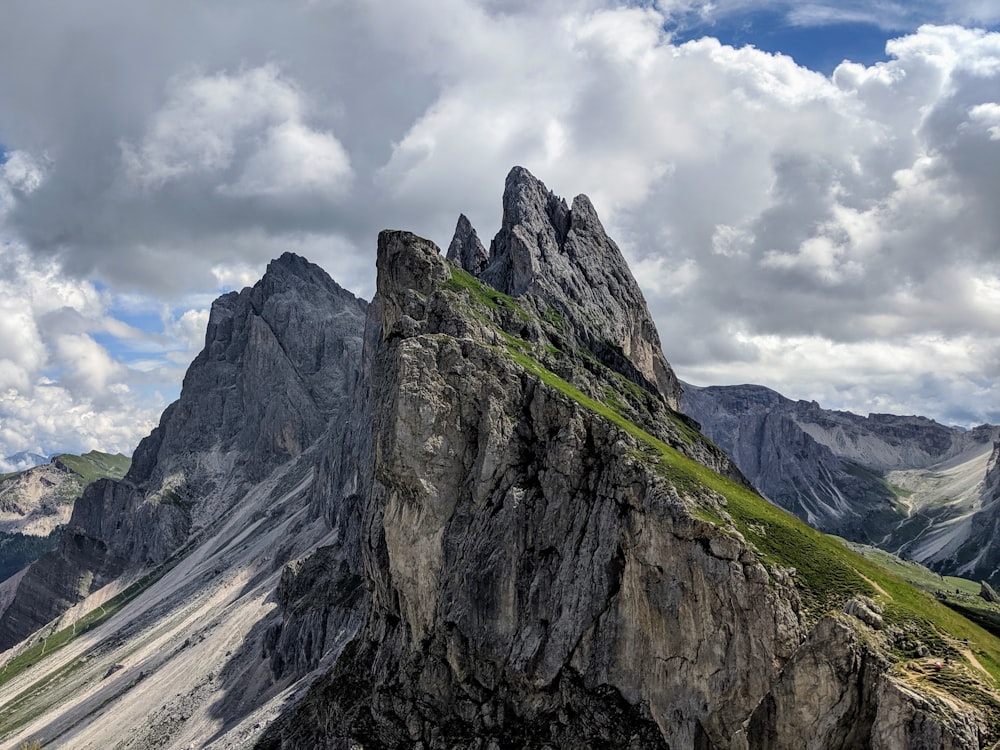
[(833, 236), (245, 133), (61, 390)]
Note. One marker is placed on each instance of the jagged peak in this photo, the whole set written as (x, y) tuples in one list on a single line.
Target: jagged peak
[(295, 269), (564, 257), (466, 251)]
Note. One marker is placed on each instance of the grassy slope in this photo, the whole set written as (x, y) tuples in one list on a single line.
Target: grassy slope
[(95, 465), (827, 573)]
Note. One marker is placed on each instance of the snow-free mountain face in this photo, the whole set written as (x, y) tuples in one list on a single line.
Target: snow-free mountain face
[(906, 484), (462, 516)]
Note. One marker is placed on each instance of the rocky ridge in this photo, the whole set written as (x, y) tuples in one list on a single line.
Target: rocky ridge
[(562, 256), (906, 484), (503, 536), (278, 361), (526, 545)]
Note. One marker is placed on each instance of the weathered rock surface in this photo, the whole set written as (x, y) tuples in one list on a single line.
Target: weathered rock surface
[(563, 257), (466, 251), (534, 583), (279, 363), (906, 484)]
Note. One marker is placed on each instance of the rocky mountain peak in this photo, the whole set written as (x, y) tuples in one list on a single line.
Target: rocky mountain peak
[(465, 250), (279, 363), (562, 256)]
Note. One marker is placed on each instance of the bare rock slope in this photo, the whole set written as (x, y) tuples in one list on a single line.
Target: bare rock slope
[(906, 484)]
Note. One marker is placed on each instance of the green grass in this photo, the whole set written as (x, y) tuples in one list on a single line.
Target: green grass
[(483, 295), (96, 465), (91, 620)]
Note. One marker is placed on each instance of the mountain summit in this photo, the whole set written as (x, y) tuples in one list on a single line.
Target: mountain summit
[(563, 257), (503, 536)]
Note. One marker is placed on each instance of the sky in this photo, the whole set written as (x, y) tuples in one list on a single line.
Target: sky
[(806, 192)]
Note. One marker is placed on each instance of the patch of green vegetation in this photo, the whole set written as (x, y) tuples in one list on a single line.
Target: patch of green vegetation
[(514, 342), (912, 572), (91, 620), (96, 465), (827, 574), (483, 295), (898, 491), (553, 318)]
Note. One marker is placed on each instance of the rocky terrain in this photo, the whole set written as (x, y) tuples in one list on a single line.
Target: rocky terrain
[(36, 502), (481, 524), (906, 484)]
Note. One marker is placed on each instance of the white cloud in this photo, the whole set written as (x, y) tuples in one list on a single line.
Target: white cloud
[(60, 389), (988, 116), (21, 172), (245, 132)]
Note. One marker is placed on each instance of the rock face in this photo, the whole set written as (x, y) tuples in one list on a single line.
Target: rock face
[(465, 250), (278, 364), (499, 539), (524, 560), (977, 553), (33, 502), (562, 255), (906, 484)]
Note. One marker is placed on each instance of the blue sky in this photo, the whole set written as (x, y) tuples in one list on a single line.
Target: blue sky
[(821, 47), (827, 231)]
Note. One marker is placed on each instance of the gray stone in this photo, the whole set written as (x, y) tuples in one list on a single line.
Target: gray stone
[(465, 250), (563, 256)]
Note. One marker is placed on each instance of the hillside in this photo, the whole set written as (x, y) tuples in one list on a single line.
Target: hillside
[(905, 484), (35, 502)]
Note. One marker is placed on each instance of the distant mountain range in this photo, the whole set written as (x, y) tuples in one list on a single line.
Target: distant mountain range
[(909, 485)]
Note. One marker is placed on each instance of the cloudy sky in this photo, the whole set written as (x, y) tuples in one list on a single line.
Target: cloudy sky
[(808, 192)]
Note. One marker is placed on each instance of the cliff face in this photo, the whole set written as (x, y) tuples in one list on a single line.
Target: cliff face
[(562, 256), (503, 537), (906, 484), (278, 364), (542, 572)]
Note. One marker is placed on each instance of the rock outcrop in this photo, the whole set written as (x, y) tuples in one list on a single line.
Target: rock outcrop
[(465, 250), (524, 557), (563, 257), (278, 365)]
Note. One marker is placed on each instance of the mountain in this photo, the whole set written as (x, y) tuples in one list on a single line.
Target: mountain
[(36, 502), (502, 535), (906, 484)]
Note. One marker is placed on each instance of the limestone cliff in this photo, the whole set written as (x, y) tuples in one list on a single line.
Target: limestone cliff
[(544, 573), (278, 364)]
